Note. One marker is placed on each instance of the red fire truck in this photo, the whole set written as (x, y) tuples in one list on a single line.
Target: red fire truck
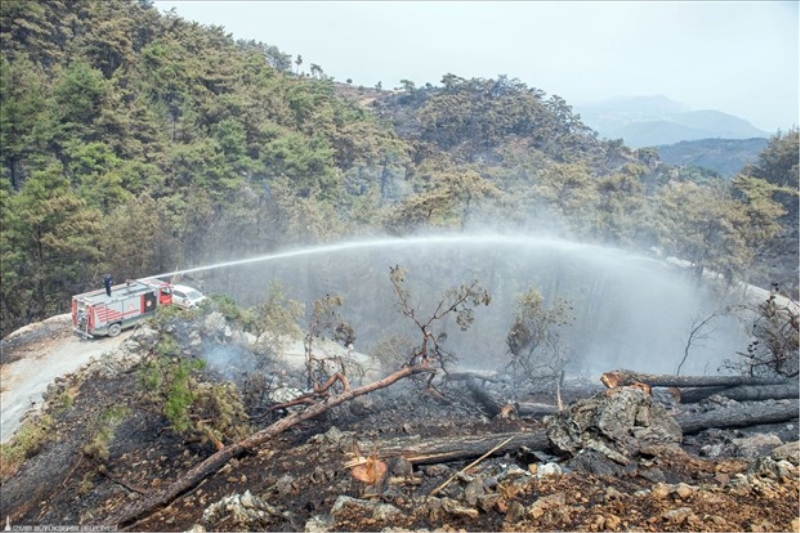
[(95, 313)]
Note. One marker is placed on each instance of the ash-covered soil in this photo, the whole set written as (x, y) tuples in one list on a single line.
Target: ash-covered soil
[(717, 480)]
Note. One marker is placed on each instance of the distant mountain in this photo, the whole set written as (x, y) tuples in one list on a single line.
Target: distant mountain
[(725, 156), (657, 120)]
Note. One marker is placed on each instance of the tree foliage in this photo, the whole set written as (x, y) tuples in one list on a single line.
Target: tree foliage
[(164, 143), (538, 353), (459, 302), (773, 349)]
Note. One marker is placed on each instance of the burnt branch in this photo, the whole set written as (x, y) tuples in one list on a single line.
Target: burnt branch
[(128, 515)]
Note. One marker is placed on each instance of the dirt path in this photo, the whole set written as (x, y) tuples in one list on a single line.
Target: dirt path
[(36, 355)]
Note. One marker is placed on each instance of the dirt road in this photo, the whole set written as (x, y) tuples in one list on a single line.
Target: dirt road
[(33, 357)]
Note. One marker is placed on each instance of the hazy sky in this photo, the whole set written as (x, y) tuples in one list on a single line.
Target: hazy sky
[(735, 56)]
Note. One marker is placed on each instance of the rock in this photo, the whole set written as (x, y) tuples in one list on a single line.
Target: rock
[(660, 491), (487, 502), (515, 513), (540, 506), (620, 420), (722, 479), (284, 484), (756, 446), (769, 468), (712, 451), (432, 509), (255, 514), (284, 394), (656, 475), (247, 500), (344, 503), (677, 516), (594, 462), (454, 508), (378, 511), (214, 323), (611, 522), (197, 528), (400, 466), (333, 437), (437, 470), (195, 339), (788, 452), (548, 469), (473, 490), (385, 511), (362, 406), (683, 490), (318, 524), (512, 471)]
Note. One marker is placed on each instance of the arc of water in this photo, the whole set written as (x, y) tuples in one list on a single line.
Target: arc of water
[(486, 238)]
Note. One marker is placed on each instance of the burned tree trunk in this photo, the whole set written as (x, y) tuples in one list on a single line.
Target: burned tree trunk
[(535, 409), (128, 515), (743, 393), (494, 406), (443, 449), (482, 396), (620, 378), (751, 414), (460, 448)]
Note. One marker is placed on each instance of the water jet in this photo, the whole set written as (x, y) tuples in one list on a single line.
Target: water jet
[(630, 310)]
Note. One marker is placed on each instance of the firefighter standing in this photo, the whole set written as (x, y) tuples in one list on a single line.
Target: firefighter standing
[(107, 281)]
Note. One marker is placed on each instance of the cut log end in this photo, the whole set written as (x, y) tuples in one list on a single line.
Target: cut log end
[(611, 379)]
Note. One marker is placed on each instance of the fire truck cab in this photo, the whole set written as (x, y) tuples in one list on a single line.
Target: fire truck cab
[(96, 314)]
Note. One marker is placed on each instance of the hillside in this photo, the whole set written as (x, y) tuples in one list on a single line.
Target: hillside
[(190, 147), (727, 157)]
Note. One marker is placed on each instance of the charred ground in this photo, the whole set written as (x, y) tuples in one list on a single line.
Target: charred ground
[(106, 444)]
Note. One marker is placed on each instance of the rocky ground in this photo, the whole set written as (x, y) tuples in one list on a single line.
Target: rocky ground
[(90, 465)]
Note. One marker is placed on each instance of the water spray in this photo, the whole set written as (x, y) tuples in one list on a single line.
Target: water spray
[(485, 238)]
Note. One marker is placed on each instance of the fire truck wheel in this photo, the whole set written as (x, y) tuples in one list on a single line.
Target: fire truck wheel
[(114, 330)]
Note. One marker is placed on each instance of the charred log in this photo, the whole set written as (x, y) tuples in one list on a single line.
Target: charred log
[(620, 378), (535, 409), (751, 414), (743, 393), (464, 376), (492, 406), (444, 449), (461, 448)]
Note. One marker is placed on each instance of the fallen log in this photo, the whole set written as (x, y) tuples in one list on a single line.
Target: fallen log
[(463, 376), (460, 448), (495, 407), (744, 415), (535, 409), (618, 378), (743, 393), (492, 406), (127, 516), (444, 449)]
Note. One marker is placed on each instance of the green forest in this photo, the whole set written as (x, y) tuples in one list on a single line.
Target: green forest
[(136, 142)]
